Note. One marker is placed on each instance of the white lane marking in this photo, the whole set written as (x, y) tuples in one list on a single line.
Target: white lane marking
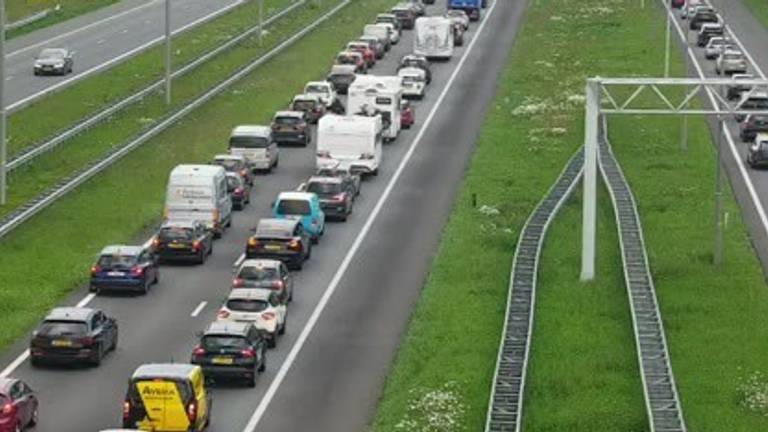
[(198, 309), (329, 290), (148, 243), (9, 78), (124, 31), (80, 29), (239, 260), (25, 355), (756, 202), (101, 41), (121, 57)]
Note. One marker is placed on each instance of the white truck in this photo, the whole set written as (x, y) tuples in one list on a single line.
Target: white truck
[(434, 37), (352, 143), (199, 193), (377, 93)]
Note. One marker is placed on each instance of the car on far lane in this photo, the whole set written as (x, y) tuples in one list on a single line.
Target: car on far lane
[(231, 351), (757, 155), (752, 125), (239, 190), (123, 267), (54, 61), (336, 197), (257, 145), (414, 83), (384, 18), (407, 114), (406, 15), (291, 127), (708, 31), (701, 17), (265, 273), (237, 164), (677, 4), (417, 61), (19, 407), (183, 241), (352, 181), (375, 44), (311, 105), (262, 307), (280, 239), (323, 90), (73, 335), (731, 62), (342, 76)]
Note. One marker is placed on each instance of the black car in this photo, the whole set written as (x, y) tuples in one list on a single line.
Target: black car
[(125, 268), (703, 17), (239, 191), (757, 156), (291, 127), (752, 125), (231, 350), (336, 197), (183, 241), (342, 76), (350, 180), (416, 61), (406, 16), (73, 335), (265, 273), (54, 61), (280, 239), (707, 32)]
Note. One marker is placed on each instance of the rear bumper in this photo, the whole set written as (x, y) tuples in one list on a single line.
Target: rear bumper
[(292, 259), (334, 210), (173, 255), (290, 137), (239, 371), (60, 356), (117, 284)]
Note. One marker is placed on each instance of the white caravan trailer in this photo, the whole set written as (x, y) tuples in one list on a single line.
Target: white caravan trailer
[(383, 93), (352, 143), (434, 37)]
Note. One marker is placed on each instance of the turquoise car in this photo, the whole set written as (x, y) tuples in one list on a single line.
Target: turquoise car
[(305, 207)]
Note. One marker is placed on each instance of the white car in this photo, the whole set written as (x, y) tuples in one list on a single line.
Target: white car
[(265, 273), (730, 62), (715, 46), (262, 307), (414, 82), (323, 90), (458, 16), (394, 36)]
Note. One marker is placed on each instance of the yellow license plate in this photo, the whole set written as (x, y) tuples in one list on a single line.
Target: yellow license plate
[(61, 343), (222, 360), (273, 247), (177, 246)]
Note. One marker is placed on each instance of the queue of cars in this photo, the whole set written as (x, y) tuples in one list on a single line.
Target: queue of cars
[(200, 200)]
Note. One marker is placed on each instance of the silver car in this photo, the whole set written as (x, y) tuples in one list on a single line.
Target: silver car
[(717, 45), (54, 61), (730, 62), (257, 145)]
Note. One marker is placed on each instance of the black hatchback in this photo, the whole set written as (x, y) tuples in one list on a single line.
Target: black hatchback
[(183, 241), (73, 335), (336, 196), (231, 350), (280, 239)]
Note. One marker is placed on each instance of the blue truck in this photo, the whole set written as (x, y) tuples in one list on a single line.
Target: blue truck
[(471, 7)]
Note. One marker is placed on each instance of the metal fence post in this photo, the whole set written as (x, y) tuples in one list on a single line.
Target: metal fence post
[(589, 227), (168, 67), (3, 132)]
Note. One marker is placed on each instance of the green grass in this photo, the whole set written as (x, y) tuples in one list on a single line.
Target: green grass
[(127, 199), (760, 9), (20, 9)]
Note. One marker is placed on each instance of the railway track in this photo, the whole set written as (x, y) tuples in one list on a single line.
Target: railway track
[(505, 407)]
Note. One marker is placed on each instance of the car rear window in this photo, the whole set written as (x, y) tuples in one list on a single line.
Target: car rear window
[(229, 164), (117, 260), (317, 89), (293, 207), (176, 233), (271, 231), (62, 328), (258, 273), (303, 105), (243, 305), (248, 142), (223, 342), (731, 56), (290, 121), (324, 188)]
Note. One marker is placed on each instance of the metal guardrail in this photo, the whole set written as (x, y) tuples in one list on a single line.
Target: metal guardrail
[(28, 20), (506, 403), (32, 207), (661, 398), (33, 151)]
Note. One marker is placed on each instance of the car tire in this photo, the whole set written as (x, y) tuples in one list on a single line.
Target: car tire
[(91, 288), (35, 363), (201, 258), (277, 161), (114, 343), (375, 172), (210, 250), (250, 382), (283, 327), (272, 342), (35, 417), (145, 288), (96, 361), (263, 365), (316, 239), (157, 277)]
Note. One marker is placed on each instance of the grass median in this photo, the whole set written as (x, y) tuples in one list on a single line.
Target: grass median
[(49, 256), (759, 8), (60, 10)]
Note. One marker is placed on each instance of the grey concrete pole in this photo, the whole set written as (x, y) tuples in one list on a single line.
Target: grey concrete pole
[(718, 252), (589, 228), (168, 66), (3, 132)]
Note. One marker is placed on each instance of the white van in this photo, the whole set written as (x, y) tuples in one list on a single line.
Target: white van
[(351, 143), (199, 193), (434, 37), (382, 32), (255, 143), (382, 93)]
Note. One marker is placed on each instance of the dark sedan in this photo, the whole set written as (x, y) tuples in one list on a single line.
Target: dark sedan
[(18, 405), (125, 268), (280, 239), (336, 197), (73, 335), (231, 350), (183, 241), (752, 125), (290, 127), (239, 190)]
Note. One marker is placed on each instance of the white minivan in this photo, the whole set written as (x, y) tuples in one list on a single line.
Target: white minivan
[(351, 143), (199, 193), (255, 143)]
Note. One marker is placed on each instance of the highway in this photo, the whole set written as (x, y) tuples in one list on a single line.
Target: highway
[(100, 40), (352, 300)]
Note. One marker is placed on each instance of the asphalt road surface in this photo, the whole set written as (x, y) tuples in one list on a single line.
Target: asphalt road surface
[(99, 40), (332, 383)]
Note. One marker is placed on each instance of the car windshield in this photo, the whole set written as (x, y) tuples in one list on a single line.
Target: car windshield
[(289, 121), (229, 164), (222, 342), (324, 188), (303, 105), (117, 260), (245, 305), (258, 273), (293, 207), (248, 142), (176, 233), (51, 54), (410, 79), (317, 89), (62, 328)]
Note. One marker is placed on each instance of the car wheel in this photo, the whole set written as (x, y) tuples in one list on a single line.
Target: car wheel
[(250, 381), (35, 417), (375, 172), (145, 288), (96, 359), (114, 343), (201, 258), (298, 266), (91, 288), (284, 326), (35, 362), (263, 365), (210, 250), (309, 253), (316, 239), (277, 161), (272, 342), (157, 277)]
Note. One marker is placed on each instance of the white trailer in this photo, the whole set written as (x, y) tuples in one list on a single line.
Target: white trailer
[(352, 143), (434, 37), (383, 93)]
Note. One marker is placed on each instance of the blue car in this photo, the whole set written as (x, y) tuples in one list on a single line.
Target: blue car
[(125, 268), (303, 206)]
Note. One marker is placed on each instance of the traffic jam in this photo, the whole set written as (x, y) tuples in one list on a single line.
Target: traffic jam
[(352, 115)]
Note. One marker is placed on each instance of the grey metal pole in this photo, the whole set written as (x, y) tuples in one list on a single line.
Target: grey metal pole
[(684, 124), (168, 66), (666, 49), (261, 22), (3, 132), (718, 252), (589, 221)]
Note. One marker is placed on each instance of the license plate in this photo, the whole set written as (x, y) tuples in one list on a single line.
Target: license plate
[(61, 343), (115, 273), (222, 360), (177, 246), (272, 247)]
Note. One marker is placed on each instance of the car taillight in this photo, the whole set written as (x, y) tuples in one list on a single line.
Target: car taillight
[(366, 156), (268, 316), (192, 411), (155, 242), (198, 351), (274, 127), (126, 410), (324, 154), (339, 197), (294, 245), (137, 271), (238, 283), (252, 242), (301, 126), (197, 245), (239, 191), (277, 284), (9, 409), (244, 173), (95, 270), (248, 353), (223, 313), (87, 341)]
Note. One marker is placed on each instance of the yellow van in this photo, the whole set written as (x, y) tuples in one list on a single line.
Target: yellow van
[(167, 398)]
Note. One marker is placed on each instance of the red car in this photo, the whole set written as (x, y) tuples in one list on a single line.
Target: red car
[(18, 405), (353, 58), (677, 3), (407, 114), (363, 48)]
